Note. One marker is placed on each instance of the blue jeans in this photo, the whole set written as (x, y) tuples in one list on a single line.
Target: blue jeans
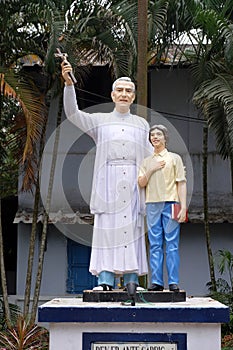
[(107, 277), (162, 230)]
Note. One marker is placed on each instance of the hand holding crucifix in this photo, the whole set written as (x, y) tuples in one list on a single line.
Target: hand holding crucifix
[(66, 67)]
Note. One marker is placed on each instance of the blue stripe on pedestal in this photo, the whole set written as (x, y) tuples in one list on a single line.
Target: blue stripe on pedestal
[(133, 314)]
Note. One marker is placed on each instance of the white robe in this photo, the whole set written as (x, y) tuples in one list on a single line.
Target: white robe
[(118, 204)]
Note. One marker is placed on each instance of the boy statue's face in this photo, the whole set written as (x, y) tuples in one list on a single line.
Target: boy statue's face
[(157, 139)]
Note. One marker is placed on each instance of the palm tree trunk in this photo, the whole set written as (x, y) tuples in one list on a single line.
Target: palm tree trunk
[(205, 206), (142, 57), (3, 276), (31, 251), (142, 79), (46, 218), (231, 164)]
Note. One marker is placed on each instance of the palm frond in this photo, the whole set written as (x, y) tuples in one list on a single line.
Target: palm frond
[(105, 34), (204, 69), (215, 98), (157, 18), (34, 110), (33, 106), (57, 27)]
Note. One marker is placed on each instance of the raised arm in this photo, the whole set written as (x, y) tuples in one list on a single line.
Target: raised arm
[(85, 121)]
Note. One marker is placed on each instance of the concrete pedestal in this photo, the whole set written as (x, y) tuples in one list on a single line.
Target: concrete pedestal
[(189, 325)]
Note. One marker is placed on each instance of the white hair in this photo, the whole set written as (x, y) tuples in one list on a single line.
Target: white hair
[(123, 79)]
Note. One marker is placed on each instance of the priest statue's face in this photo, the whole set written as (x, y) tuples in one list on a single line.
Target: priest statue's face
[(123, 95)]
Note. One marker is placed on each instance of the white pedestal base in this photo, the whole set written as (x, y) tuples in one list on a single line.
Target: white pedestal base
[(191, 325)]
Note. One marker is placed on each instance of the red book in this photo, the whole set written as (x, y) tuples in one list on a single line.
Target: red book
[(175, 211)]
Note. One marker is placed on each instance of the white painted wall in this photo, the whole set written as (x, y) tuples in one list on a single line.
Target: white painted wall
[(199, 336), (55, 262)]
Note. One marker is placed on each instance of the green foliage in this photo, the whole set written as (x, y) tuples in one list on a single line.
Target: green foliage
[(226, 264), (103, 33), (215, 97), (211, 67), (106, 31), (26, 26), (14, 313), (8, 148), (224, 294)]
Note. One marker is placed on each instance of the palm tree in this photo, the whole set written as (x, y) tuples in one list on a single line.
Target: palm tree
[(3, 277), (93, 31), (53, 89), (108, 32), (142, 53), (20, 86), (7, 90), (208, 51), (209, 29), (214, 95)]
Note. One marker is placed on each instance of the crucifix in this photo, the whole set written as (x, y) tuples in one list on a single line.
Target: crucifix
[(63, 56)]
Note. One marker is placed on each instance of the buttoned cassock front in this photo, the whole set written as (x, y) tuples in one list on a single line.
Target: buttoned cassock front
[(118, 204)]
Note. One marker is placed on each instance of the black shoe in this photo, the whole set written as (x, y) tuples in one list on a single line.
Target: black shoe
[(156, 287), (174, 287), (103, 287)]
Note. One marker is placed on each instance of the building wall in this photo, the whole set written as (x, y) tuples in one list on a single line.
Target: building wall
[(55, 261), (194, 265), (194, 270), (171, 95)]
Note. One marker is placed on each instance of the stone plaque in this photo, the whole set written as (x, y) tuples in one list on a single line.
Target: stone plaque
[(134, 346)]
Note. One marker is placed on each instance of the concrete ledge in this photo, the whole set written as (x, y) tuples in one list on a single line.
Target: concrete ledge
[(193, 310)]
